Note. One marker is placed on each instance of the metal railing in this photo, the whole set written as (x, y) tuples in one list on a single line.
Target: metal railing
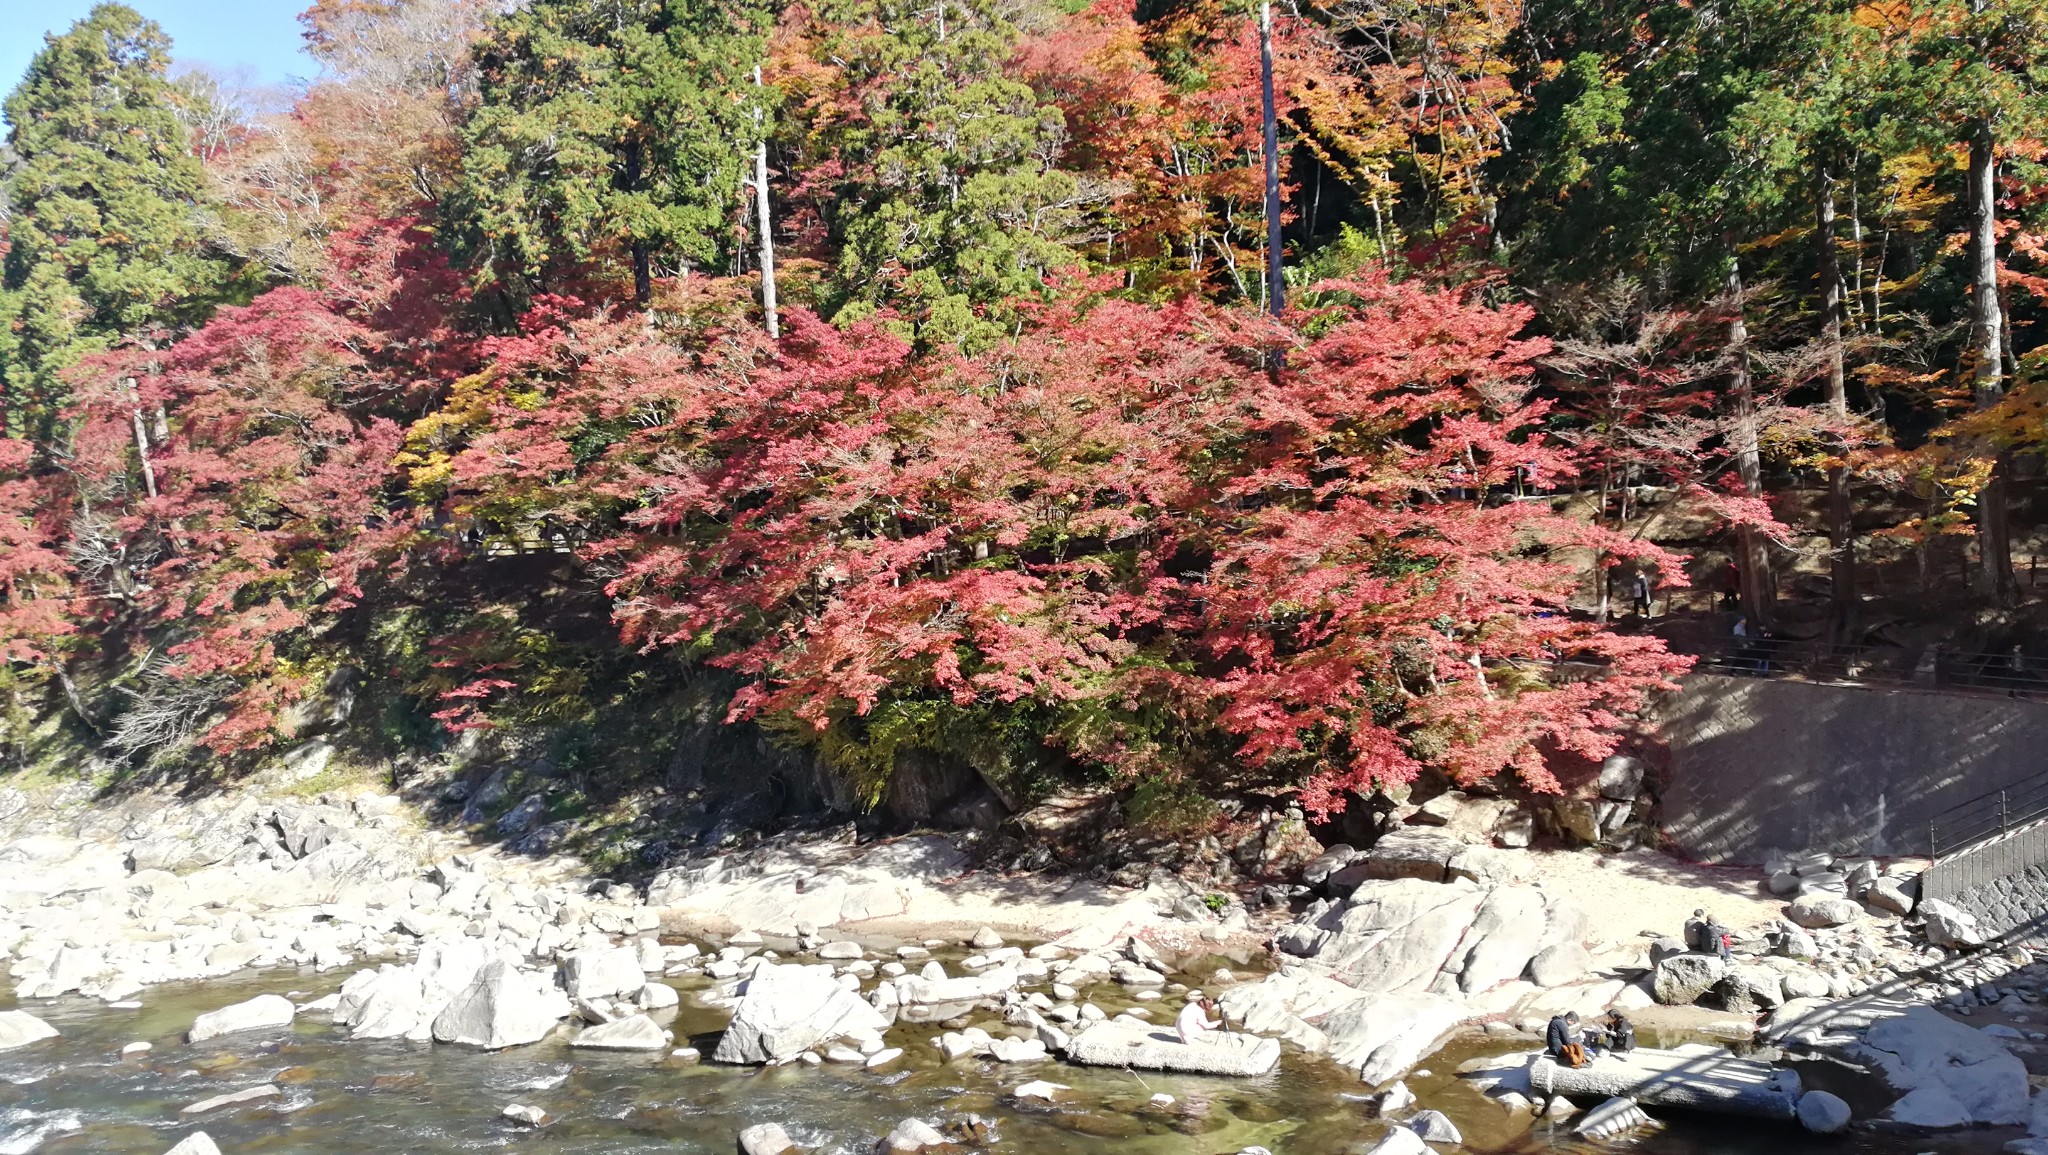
[(1934, 667), (1986, 817)]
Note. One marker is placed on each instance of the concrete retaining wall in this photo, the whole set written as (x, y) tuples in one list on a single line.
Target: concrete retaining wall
[(1760, 764), (1986, 863), (2015, 903)]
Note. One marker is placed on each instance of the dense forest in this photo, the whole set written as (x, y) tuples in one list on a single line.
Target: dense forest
[(906, 378)]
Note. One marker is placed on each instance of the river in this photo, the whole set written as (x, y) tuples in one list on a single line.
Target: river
[(422, 1099)]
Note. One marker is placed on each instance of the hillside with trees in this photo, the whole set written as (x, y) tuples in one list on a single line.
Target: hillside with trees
[(656, 386)]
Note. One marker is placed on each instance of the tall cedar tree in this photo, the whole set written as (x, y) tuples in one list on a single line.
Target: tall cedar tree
[(935, 173), (616, 133), (103, 229)]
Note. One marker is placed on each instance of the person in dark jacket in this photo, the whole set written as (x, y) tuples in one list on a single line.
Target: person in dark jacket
[(1705, 936), (1621, 1034), (1563, 1032)]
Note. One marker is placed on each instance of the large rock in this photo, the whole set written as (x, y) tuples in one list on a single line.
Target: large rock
[(1889, 894), (912, 1135), (917, 990), (1405, 852), (1747, 989), (1119, 1044), (1823, 1113), (602, 972), (1947, 926), (1693, 1078), (1681, 979), (1822, 909), (197, 1143), (1621, 778), (1329, 862), (633, 1033), (787, 1010), (1506, 934), (233, 1099), (1435, 1127), (1560, 965), (1286, 1005), (1940, 1062), (502, 1007), (1397, 934), (1945, 1075), (765, 1139), (396, 1006), (1400, 1141), (260, 1013), (19, 1029), (1382, 1035)]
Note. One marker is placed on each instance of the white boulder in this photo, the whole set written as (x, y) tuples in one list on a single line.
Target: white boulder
[(260, 1013), (19, 1029), (501, 1007), (787, 1010)]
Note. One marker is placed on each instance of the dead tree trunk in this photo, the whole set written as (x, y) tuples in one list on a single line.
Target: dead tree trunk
[(763, 220), (1752, 559), (1841, 514), (1987, 349)]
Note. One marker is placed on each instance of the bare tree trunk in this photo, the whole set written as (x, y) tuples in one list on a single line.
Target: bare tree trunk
[(1752, 559), (1987, 347), (1841, 515), (142, 452), (762, 218), (643, 277), (72, 696), (1276, 279)]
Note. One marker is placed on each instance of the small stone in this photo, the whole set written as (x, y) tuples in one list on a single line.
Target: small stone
[(1823, 1113), (136, 1048), (232, 1098), (912, 1135), (765, 1139), (985, 939), (1435, 1127), (1040, 1089), (521, 1113)]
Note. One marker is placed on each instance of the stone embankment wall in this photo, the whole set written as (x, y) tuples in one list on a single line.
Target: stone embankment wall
[(1761, 764), (2003, 882)]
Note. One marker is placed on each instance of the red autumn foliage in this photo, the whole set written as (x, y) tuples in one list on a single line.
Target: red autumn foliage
[(241, 471), (1123, 517)]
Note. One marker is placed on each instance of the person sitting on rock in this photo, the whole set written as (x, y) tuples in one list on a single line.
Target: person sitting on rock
[(1561, 1033), (1194, 1022), (1621, 1034), (1705, 936)]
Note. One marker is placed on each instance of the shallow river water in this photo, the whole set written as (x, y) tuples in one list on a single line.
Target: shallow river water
[(397, 1097)]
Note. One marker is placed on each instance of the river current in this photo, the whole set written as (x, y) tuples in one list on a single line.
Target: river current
[(77, 1094)]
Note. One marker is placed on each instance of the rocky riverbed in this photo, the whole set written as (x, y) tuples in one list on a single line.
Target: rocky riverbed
[(270, 971)]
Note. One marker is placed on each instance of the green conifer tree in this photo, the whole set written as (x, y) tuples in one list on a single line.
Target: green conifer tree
[(610, 132), (950, 197), (104, 231)]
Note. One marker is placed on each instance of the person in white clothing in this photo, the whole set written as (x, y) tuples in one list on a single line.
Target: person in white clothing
[(1194, 1021)]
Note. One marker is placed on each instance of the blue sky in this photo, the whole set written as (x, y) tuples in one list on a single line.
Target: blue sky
[(261, 36)]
